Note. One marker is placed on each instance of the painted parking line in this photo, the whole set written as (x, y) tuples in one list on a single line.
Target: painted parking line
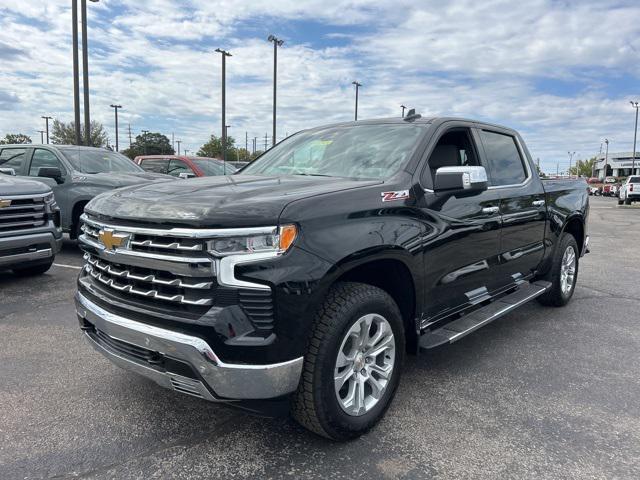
[(67, 266)]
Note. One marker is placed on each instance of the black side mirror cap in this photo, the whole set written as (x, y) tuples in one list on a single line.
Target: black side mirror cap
[(51, 172)]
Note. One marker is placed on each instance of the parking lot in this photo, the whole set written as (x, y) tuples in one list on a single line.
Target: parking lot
[(541, 393)]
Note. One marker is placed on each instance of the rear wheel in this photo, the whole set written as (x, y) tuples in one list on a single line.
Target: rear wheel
[(563, 274), (353, 363)]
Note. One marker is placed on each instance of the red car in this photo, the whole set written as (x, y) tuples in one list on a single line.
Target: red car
[(183, 166)]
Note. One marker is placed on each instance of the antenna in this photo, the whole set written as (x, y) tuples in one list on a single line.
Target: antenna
[(412, 115)]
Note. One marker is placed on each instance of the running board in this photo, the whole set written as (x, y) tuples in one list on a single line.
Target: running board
[(463, 326)]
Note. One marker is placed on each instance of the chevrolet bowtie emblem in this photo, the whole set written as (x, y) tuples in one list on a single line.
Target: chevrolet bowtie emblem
[(4, 203), (111, 240)]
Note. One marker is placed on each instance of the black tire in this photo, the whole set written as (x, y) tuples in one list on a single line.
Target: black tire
[(315, 404), (555, 296), (33, 269), (627, 202), (620, 202)]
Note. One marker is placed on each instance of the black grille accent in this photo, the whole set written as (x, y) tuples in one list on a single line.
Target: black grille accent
[(127, 349), (258, 305)]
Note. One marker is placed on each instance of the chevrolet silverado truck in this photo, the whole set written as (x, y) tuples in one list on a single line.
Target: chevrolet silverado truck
[(630, 190), (30, 234), (75, 174), (311, 273)]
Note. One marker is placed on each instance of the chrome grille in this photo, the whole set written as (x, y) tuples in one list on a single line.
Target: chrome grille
[(22, 213)]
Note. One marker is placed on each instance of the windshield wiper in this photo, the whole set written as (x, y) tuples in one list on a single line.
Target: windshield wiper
[(313, 175)]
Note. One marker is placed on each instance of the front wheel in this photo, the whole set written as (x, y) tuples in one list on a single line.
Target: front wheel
[(627, 202), (563, 274), (353, 364)]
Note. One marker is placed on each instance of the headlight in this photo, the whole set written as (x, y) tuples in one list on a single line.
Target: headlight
[(48, 198), (279, 240)]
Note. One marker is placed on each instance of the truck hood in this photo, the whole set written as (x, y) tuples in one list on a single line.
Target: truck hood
[(118, 179), (216, 202), (10, 185)]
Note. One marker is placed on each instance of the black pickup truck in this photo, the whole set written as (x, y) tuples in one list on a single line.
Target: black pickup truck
[(311, 273)]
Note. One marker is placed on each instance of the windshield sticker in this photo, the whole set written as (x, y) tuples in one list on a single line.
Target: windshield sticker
[(397, 195)]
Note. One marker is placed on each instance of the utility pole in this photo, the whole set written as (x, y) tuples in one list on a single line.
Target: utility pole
[(76, 71), (255, 144), (246, 142), (178, 142), (116, 107), (144, 139), (173, 141), (224, 54), (130, 142), (41, 136), (571, 154), (265, 142), (186, 152), (606, 157), (276, 43), (635, 135), (46, 121), (403, 109), (85, 71), (358, 85)]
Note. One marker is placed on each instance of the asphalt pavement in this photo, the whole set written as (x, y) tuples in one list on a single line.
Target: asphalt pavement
[(540, 393)]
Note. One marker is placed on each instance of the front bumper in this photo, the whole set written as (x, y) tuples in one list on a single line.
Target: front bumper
[(179, 361), (29, 247)]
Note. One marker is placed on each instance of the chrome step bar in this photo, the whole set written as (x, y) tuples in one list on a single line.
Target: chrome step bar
[(463, 326)]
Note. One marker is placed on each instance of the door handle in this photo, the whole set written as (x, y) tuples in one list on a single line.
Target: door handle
[(490, 210), (538, 203)]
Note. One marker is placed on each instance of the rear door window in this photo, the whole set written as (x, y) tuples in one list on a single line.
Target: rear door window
[(506, 165), (157, 165), (13, 158), (176, 167), (44, 158)]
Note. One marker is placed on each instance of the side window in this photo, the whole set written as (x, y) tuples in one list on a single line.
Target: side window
[(157, 165), (176, 167), (506, 166), (43, 158), (454, 149), (13, 158)]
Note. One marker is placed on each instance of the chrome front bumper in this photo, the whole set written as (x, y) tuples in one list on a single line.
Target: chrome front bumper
[(25, 240), (214, 380)]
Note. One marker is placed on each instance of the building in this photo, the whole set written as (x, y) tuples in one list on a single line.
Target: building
[(618, 165)]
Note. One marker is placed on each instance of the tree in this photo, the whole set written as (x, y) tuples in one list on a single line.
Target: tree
[(150, 143), (583, 168), (213, 148), (255, 155), (65, 134), (10, 138)]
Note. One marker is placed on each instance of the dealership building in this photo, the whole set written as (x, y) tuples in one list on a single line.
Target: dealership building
[(618, 165)]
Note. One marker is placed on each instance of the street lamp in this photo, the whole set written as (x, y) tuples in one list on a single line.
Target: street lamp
[(635, 134), (606, 158), (571, 154), (116, 107), (41, 136), (358, 85), (224, 54), (403, 109), (46, 121), (276, 43), (85, 71), (178, 142), (186, 152)]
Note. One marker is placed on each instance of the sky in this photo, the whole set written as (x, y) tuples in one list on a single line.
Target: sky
[(560, 72)]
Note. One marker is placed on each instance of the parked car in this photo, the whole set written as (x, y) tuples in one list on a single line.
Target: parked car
[(326, 260), (630, 190), (30, 233), (185, 167), (75, 174)]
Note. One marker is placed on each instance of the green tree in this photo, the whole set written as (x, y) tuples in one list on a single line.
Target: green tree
[(150, 143), (255, 155), (213, 148), (65, 134), (10, 138), (583, 168)]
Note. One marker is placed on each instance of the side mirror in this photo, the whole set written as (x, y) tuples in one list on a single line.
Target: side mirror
[(185, 175), (7, 171), (51, 172), (465, 179)]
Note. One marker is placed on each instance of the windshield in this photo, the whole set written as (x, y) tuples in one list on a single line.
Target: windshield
[(97, 160), (211, 166), (634, 179), (358, 151)]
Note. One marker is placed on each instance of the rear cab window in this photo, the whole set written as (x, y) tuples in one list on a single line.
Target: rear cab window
[(157, 165), (14, 158), (505, 161)]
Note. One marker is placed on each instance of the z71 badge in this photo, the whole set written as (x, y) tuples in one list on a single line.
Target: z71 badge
[(398, 195)]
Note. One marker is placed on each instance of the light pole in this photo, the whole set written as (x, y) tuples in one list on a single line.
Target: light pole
[(46, 122), (224, 54), (606, 158), (85, 71), (403, 109), (116, 107), (76, 77), (635, 134), (178, 142), (276, 43), (144, 139), (358, 85), (571, 154), (186, 152), (41, 136)]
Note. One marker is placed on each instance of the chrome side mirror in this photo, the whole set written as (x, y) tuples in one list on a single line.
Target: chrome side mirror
[(8, 171), (467, 179)]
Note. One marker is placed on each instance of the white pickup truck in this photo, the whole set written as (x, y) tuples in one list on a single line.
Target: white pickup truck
[(630, 190)]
